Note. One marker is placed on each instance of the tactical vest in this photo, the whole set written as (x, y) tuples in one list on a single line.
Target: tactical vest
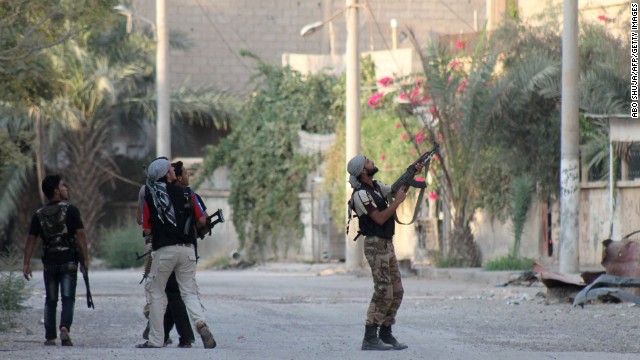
[(53, 225), (368, 227)]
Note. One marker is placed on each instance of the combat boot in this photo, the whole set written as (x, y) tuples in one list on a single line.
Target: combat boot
[(387, 338), (371, 340)]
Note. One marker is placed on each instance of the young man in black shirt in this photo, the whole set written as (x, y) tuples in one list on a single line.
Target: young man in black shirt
[(64, 243)]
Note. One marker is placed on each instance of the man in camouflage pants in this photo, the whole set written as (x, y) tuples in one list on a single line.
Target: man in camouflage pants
[(376, 222)]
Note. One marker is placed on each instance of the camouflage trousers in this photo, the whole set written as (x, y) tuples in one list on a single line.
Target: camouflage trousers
[(387, 283)]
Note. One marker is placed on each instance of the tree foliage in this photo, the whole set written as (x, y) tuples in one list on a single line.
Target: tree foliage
[(30, 26), (266, 168), (103, 90), (391, 141)]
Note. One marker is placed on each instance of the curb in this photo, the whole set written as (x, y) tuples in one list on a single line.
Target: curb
[(473, 275)]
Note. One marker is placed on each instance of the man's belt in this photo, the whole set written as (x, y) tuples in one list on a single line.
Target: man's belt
[(184, 244), (57, 249)]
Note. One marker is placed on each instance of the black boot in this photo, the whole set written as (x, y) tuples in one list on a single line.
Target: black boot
[(387, 338), (371, 340)]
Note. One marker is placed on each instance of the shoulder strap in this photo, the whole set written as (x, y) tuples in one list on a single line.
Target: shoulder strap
[(350, 215), (417, 208)]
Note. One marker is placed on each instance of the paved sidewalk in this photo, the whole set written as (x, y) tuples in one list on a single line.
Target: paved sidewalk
[(475, 275)]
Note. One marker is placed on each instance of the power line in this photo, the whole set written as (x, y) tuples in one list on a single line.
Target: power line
[(221, 36), (237, 33), (384, 41), (458, 16)]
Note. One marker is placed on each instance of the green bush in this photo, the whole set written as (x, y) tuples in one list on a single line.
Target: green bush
[(14, 290), (118, 246), (447, 261), (509, 262)]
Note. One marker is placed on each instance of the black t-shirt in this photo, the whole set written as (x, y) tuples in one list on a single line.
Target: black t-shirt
[(73, 222)]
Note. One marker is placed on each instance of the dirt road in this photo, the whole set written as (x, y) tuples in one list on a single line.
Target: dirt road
[(317, 312)]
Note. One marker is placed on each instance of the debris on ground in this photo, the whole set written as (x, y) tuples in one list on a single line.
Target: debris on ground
[(621, 261), (602, 287), (560, 288), (527, 278), (622, 258)]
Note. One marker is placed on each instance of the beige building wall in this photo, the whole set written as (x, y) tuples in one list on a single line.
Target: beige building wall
[(614, 14), (221, 29)]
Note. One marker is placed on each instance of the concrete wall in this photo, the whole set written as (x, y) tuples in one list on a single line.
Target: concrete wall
[(495, 239), (220, 29)]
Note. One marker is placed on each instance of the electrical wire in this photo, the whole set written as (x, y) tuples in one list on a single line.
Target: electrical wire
[(384, 41), (221, 36)]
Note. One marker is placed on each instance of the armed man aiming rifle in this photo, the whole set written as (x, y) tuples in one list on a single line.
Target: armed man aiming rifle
[(375, 204)]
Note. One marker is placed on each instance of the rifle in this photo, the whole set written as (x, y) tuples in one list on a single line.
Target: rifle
[(206, 230), (407, 179), (85, 276), (147, 258)]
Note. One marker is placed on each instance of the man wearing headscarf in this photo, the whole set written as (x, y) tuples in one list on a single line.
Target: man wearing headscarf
[(176, 312), (173, 251), (376, 222)]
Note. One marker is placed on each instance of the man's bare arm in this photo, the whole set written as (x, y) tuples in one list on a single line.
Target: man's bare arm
[(81, 238), (28, 252)]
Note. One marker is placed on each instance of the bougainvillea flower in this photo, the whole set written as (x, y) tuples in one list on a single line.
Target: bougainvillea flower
[(385, 81), (602, 18), (436, 157), (424, 99), (460, 44), (454, 64), (403, 96), (419, 138), (382, 157), (419, 178), (398, 125), (375, 100), (403, 136), (414, 96), (462, 86), (433, 195)]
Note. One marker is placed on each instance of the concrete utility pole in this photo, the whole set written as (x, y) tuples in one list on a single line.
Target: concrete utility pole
[(163, 123), (354, 250), (569, 159)]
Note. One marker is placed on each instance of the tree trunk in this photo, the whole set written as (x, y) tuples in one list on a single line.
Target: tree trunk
[(463, 248)]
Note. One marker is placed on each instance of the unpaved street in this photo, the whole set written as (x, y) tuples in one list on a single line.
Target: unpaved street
[(317, 312)]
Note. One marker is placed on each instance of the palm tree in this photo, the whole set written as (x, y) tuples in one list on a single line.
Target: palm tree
[(97, 95), (458, 101)]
